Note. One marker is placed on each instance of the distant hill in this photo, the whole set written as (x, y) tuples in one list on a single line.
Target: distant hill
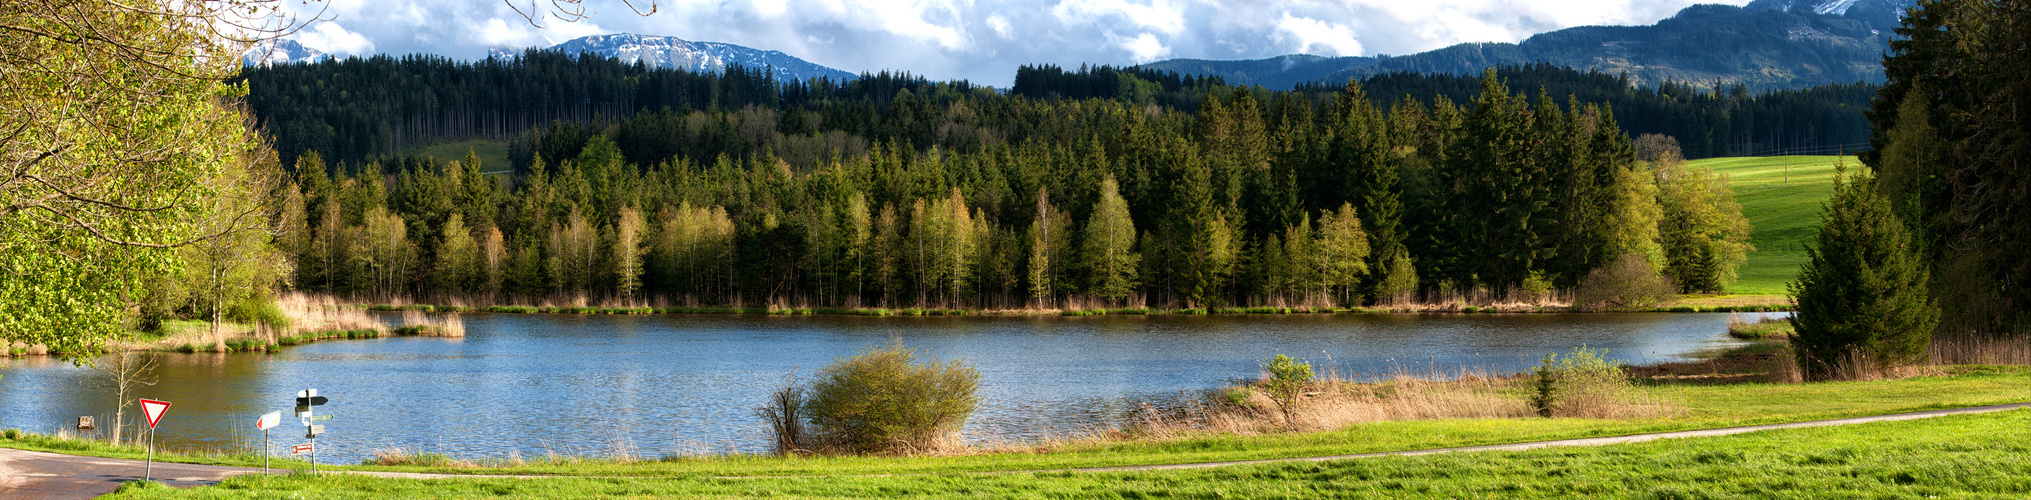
[(1280, 72), (702, 57), (1768, 44)]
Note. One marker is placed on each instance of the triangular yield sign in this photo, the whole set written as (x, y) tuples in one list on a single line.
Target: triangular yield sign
[(153, 409)]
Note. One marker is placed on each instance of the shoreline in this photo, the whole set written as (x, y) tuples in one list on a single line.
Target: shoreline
[(1126, 311)]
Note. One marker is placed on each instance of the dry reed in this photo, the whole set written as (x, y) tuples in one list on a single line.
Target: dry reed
[(309, 313), (1973, 349), (1401, 395)]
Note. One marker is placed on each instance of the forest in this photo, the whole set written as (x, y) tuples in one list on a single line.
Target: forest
[(957, 197), (359, 109)]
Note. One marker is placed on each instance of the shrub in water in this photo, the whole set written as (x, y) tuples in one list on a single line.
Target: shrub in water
[(884, 401), (785, 416)]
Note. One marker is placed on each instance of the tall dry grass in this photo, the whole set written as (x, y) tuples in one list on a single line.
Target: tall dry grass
[(1974, 349), (309, 313), (1401, 395), (443, 325)]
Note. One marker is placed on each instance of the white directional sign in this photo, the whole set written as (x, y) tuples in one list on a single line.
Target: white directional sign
[(153, 409), (302, 449), (269, 421)]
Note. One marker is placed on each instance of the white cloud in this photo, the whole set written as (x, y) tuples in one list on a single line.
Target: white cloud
[(1158, 14), (330, 38), (1001, 27), (771, 8), (985, 40), (1144, 48), (1313, 35)]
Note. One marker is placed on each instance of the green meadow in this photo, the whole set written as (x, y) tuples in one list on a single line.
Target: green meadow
[(493, 155), (1968, 456), (1781, 195)]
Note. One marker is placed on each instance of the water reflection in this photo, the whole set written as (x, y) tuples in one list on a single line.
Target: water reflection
[(533, 384)]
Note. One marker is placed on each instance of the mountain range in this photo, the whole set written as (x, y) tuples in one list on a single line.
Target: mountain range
[(1768, 44), (651, 51), (698, 57)]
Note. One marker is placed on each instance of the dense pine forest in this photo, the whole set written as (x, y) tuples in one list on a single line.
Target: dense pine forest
[(899, 192), (354, 110)]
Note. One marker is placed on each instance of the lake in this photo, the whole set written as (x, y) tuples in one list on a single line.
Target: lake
[(688, 384)]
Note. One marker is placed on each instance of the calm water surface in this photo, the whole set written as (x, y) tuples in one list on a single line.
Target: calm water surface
[(531, 384)]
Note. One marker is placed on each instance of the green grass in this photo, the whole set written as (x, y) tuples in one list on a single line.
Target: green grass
[(1783, 209), (1969, 456), (493, 155), (1708, 406)]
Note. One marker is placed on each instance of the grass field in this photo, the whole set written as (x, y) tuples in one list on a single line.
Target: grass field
[(493, 155), (1973, 456), (1698, 407), (1781, 195)]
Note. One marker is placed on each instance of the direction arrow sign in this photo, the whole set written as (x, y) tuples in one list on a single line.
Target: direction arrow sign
[(302, 449), (154, 410), (311, 401), (307, 393), (269, 421), (320, 418), (315, 430)]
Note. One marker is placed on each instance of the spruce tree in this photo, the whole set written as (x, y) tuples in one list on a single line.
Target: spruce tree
[(1862, 291)]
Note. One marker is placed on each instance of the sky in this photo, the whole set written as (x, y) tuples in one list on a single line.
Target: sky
[(978, 40)]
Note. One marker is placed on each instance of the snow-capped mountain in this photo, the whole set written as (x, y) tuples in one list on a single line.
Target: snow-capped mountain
[(280, 51), (672, 52), (1770, 44), (1880, 14)]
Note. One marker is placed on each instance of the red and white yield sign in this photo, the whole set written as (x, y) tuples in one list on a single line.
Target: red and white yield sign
[(153, 409)]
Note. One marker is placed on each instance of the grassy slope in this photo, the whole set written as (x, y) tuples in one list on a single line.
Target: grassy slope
[(493, 155), (1975, 456), (1704, 407), (1784, 210)]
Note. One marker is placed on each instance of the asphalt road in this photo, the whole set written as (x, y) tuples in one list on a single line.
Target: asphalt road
[(34, 475)]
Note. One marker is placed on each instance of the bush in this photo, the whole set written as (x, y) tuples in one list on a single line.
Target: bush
[(784, 413), (11, 434), (884, 401), (1579, 384), (1287, 380), (259, 309), (1630, 283)]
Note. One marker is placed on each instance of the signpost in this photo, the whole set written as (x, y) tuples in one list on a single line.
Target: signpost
[(305, 399), (153, 409), (267, 422)]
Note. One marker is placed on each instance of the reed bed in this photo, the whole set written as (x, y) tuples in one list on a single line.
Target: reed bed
[(1400, 395)]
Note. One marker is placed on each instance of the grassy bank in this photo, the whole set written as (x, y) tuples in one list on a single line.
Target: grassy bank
[(1696, 407), (1781, 195), (1975, 456)]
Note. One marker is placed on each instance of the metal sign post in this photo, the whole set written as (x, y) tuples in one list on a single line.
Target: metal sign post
[(267, 422), (305, 399), (153, 410)]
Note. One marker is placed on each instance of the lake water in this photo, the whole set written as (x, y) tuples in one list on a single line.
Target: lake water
[(661, 384)]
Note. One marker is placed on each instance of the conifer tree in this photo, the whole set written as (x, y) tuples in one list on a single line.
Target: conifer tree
[(1862, 291)]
